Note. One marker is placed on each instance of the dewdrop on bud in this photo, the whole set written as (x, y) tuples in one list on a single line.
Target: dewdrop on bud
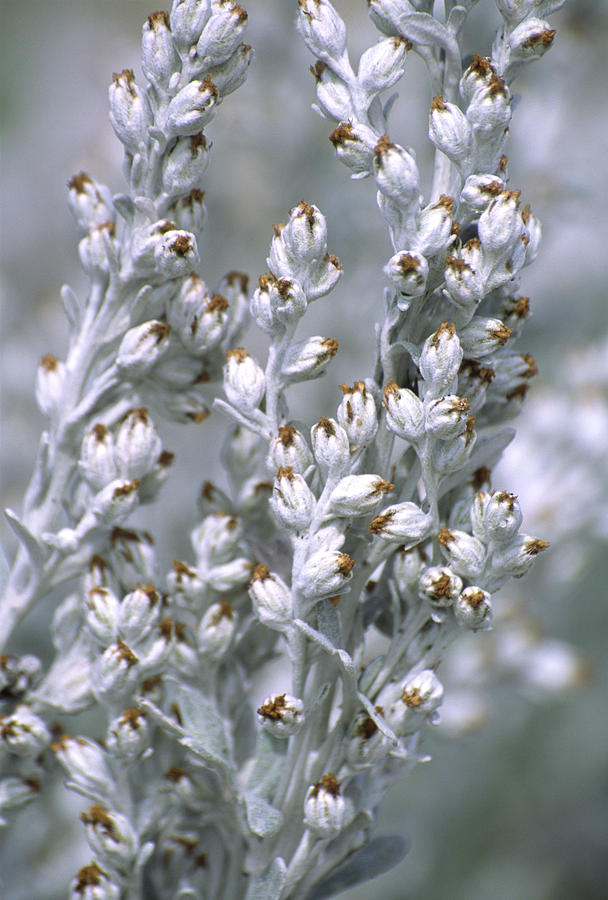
[(158, 57), (382, 64), (192, 108), (271, 598), (128, 735), (423, 692), (496, 516), (439, 585), (354, 145), (409, 271), (129, 114), (447, 417), (355, 495), (326, 812), (322, 29), (216, 630), (396, 172), (244, 382), (404, 412), (465, 554), (93, 883), (483, 336), (111, 837), (289, 450), (281, 715), (138, 445), (305, 235), (473, 609), (309, 358), (90, 202), (102, 614), (449, 130), (530, 40), (403, 523), (440, 359), (222, 34), (330, 444), (23, 733), (357, 414), (142, 347), (50, 380), (97, 462), (516, 557), (292, 502), (324, 573)]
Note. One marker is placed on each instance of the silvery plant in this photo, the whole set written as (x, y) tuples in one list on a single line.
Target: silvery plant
[(355, 548)]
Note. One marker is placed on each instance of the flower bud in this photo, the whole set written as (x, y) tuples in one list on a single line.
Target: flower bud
[(182, 580), (50, 380), (138, 445), (24, 733), (473, 609), (158, 57), (451, 455), (102, 614), (244, 381), (90, 202), (293, 503), (439, 585), (97, 462), (128, 735), (230, 75), (117, 672), (479, 191), (187, 19), (305, 235), (322, 278), (354, 145), (115, 501), (216, 630), (330, 444), (409, 272), (229, 575), (449, 130), (396, 172), (322, 29), (309, 358), (447, 417), (464, 279), (407, 566), (332, 93), (515, 557), (530, 40), (495, 516), (271, 598), (111, 837), (423, 692), (465, 554), (222, 34), (139, 613), (324, 573), (142, 346), (501, 225), (404, 412), (92, 883), (367, 745), (355, 495), (440, 360), (357, 414), (185, 164), (532, 235), (281, 715), (403, 523), (97, 249), (473, 382), (326, 812), (434, 233), (382, 64), (200, 321), (289, 450), (192, 108), (489, 110), (129, 113), (86, 764), (482, 336), (217, 538)]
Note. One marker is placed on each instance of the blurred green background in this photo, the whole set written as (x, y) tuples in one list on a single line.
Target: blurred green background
[(518, 808)]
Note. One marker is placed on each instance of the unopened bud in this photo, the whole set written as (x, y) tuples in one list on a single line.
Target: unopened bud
[(111, 837), (102, 614), (326, 812), (192, 108), (129, 113), (440, 360), (139, 613), (322, 29), (515, 557), (271, 598), (404, 412), (408, 271), (97, 461), (446, 418), (96, 250), (142, 346), (464, 280), (92, 883), (309, 358), (289, 450), (115, 501), (138, 445), (158, 57), (465, 554), (216, 630), (128, 735), (185, 164), (305, 235), (530, 40), (501, 225), (281, 715), (187, 19), (244, 381), (330, 444), (357, 414), (396, 172), (354, 146), (325, 573), (117, 672), (230, 75), (50, 381), (403, 523), (222, 34), (355, 495), (332, 93), (473, 609), (482, 336), (293, 503), (90, 202), (383, 64), (449, 130), (439, 585), (479, 191), (496, 516), (24, 733), (216, 538)]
